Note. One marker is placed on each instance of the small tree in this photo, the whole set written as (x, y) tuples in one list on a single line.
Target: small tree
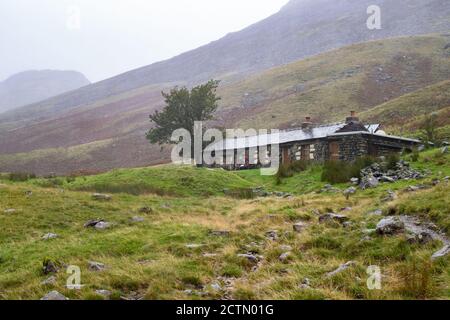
[(183, 107), (429, 126)]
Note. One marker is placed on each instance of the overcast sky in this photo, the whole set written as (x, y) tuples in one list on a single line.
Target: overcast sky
[(102, 38)]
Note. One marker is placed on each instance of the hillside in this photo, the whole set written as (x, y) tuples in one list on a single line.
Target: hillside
[(201, 246), (33, 86), (110, 133), (407, 112)]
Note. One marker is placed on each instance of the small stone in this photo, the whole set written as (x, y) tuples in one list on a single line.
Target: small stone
[(49, 281), (49, 267), (220, 233), (391, 196), (441, 253), (96, 266), (349, 191), (284, 256), (333, 217), (444, 150), (306, 284), (272, 235), (106, 294), (92, 223), (390, 226), (54, 295), (137, 219), (341, 268), (216, 287), (421, 238), (9, 211), (28, 193), (299, 227), (286, 248), (387, 179), (368, 181), (377, 212), (102, 225), (188, 292), (354, 181), (209, 255), (101, 197), (49, 236), (249, 257), (194, 246)]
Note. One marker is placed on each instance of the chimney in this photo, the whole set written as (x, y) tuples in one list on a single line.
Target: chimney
[(352, 118), (307, 125)]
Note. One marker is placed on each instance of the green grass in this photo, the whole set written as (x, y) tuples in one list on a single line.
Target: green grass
[(151, 259), (162, 180)]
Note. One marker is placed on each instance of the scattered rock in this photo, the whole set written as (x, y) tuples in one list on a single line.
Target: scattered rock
[(92, 223), (329, 188), (101, 197), (284, 256), (354, 181), (286, 248), (49, 266), (49, 236), (96, 266), (306, 284), (209, 255), (137, 219), (423, 237), (368, 181), (102, 225), (348, 192), (28, 193), (250, 257), (146, 210), (216, 287), (387, 179), (441, 253), (106, 294), (444, 150), (54, 295), (220, 233), (390, 196), (390, 226), (9, 211), (341, 268), (272, 235), (377, 212), (194, 245), (333, 217), (299, 227), (49, 281)]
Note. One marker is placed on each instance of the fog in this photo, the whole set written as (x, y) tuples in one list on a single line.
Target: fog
[(102, 38)]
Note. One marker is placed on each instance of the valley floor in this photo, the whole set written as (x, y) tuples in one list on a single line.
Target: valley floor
[(168, 246)]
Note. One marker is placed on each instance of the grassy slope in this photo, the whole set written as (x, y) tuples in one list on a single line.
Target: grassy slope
[(409, 110), (151, 259)]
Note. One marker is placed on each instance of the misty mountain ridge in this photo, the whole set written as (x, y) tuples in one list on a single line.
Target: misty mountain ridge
[(300, 29), (36, 85)]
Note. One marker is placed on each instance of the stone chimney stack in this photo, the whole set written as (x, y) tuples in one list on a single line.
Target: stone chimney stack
[(307, 125), (352, 118)]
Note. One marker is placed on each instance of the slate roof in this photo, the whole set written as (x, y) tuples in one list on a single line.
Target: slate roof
[(286, 136)]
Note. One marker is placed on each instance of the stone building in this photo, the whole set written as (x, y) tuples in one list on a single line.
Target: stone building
[(344, 141)]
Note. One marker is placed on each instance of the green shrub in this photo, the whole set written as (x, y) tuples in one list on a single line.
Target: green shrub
[(21, 176), (392, 160), (288, 170), (341, 171)]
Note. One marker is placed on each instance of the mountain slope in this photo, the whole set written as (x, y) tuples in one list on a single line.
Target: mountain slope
[(33, 86), (302, 28), (111, 132), (404, 110)]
